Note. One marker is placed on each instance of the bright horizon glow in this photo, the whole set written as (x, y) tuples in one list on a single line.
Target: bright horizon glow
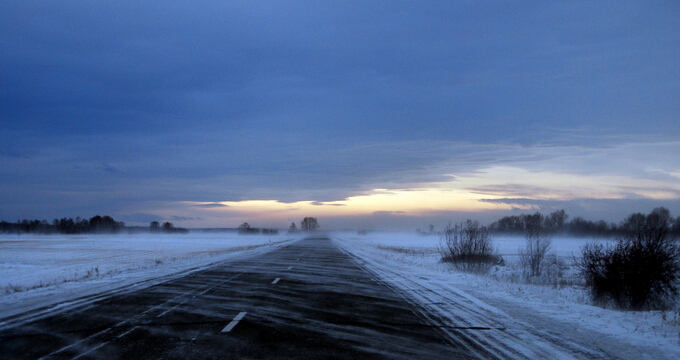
[(471, 193), (411, 201)]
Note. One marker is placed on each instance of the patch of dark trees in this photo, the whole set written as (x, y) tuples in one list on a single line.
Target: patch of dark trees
[(246, 229), (95, 225), (556, 222), (166, 227), (308, 224)]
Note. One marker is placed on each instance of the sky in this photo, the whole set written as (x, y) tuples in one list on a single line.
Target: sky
[(363, 114)]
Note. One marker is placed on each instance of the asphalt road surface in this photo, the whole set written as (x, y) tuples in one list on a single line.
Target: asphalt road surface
[(306, 300)]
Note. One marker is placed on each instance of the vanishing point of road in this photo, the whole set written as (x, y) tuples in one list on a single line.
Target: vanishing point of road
[(304, 300)]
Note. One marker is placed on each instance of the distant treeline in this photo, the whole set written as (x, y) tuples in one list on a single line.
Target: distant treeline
[(246, 229), (97, 224), (556, 222)]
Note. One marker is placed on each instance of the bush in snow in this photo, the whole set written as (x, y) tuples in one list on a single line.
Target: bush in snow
[(641, 271), (468, 247)]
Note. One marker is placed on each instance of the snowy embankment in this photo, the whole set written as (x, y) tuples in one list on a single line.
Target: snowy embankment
[(38, 271), (507, 316)]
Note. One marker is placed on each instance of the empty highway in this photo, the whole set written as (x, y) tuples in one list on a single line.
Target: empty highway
[(303, 300)]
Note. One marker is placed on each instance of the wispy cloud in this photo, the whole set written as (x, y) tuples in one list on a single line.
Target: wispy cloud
[(110, 169), (211, 205), (184, 218), (321, 203)]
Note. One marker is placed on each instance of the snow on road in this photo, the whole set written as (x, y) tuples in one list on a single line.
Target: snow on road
[(41, 270), (511, 319)]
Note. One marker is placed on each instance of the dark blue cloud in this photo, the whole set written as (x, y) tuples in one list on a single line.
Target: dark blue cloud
[(139, 218), (121, 103), (183, 218), (443, 70)]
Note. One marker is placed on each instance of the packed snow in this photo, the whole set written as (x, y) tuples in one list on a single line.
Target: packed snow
[(513, 318)]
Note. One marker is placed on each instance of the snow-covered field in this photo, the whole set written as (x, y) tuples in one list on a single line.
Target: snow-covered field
[(37, 270), (536, 321), (519, 320)]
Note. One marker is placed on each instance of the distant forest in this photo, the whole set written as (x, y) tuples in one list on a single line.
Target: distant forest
[(557, 222), (97, 225)]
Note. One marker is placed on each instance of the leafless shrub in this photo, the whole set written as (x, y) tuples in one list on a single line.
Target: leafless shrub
[(92, 273), (556, 272), (468, 247), (641, 271), (11, 289)]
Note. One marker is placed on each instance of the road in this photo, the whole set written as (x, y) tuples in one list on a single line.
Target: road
[(303, 300)]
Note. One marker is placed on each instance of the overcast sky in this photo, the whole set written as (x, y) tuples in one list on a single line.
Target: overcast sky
[(375, 114)]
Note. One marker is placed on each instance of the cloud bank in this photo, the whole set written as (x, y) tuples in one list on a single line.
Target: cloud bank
[(245, 109)]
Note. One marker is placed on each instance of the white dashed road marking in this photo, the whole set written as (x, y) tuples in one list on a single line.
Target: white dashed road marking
[(276, 280), (233, 323), (127, 332)]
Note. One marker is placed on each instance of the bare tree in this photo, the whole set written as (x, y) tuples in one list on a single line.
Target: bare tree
[(292, 229), (244, 228), (556, 220), (309, 224), (537, 245)]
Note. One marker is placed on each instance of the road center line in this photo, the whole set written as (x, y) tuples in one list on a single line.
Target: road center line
[(91, 350), (171, 309), (135, 317), (233, 323), (275, 281), (127, 332), (290, 268)]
